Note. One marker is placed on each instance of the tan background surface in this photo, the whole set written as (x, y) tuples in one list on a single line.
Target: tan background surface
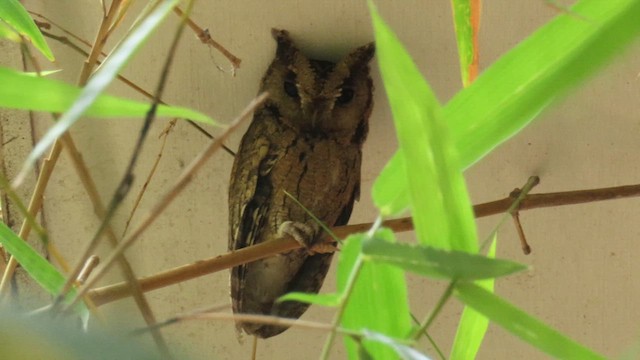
[(583, 279)]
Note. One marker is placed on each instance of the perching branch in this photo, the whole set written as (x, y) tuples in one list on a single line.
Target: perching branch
[(199, 268)]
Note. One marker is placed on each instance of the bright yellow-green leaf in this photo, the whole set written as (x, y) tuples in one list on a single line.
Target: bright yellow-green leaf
[(438, 263), (473, 325), (7, 32), (35, 265), (331, 300), (109, 69), (14, 14), (24, 91), (521, 324), (515, 89), (378, 286), (440, 206)]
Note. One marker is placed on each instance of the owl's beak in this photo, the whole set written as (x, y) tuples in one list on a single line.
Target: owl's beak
[(317, 109)]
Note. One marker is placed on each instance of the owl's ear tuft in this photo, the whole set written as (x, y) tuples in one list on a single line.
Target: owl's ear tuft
[(361, 56), (286, 47)]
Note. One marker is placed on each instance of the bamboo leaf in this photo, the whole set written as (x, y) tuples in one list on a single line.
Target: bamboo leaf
[(473, 325), (521, 324), (403, 351), (14, 14), (436, 263), (466, 24), (377, 286), (38, 268), (27, 92), (441, 209), (99, 81), (524, 81), (330, 300)]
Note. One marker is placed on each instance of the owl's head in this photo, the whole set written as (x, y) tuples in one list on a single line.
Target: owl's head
[(320, 98)]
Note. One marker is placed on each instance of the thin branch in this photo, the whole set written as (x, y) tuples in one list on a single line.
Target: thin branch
[(35, 203), (87, 180), (127, 179), (205, 37), (199, 268), (516, 196), (526, 249), (164, 135), (424, 327), (262, 319), (66, 41)]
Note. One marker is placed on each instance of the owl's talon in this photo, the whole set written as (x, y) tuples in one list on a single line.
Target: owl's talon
[(301, 232), (306, 235)]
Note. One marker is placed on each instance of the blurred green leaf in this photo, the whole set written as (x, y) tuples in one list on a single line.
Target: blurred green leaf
[(14, 14), (521, 324), (441, 209), (473, 325), (378, 301), (403, 351), (331, 300), (437, 263), (6, 32), (24, 91), (523, 82), (42, 336), (42, 73), (109, 69), (35, 265)]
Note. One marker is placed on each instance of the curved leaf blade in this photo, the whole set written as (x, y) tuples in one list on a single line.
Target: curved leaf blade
[(437, 263), (378, 286), (14, 14), (473, 325), (55, 96), (524, 81), (35, 265), (99, 81), (441, 209), (329, 300), (521, 324)]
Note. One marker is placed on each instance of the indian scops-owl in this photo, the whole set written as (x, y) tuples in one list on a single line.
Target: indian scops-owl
[(306, 139)]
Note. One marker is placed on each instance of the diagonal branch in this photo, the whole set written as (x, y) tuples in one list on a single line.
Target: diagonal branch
[(199, 268)]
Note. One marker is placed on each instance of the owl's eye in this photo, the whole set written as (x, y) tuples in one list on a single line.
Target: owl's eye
[(346, 95), (291, 89)]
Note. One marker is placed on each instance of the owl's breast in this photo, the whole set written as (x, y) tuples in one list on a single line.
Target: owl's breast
[(321, 175)]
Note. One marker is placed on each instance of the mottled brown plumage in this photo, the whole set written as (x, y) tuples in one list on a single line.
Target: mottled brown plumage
[(307, 140)]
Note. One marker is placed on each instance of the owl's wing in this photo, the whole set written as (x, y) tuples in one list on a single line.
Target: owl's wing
[(250, 189)]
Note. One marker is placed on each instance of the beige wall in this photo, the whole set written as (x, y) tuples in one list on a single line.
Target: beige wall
[(583, 277)]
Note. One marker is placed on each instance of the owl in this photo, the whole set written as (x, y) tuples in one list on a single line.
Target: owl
[(305, 140)]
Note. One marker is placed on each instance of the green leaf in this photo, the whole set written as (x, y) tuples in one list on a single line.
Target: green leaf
[(331, 300), (35, 265), (523, 82), (473, 325), (14, 14), (404, 351), (378, 286), (521, 324), (441, 209), (24, 91), (99, 81), (437, 263), (7, 32), (464, 36), (392, 200)]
